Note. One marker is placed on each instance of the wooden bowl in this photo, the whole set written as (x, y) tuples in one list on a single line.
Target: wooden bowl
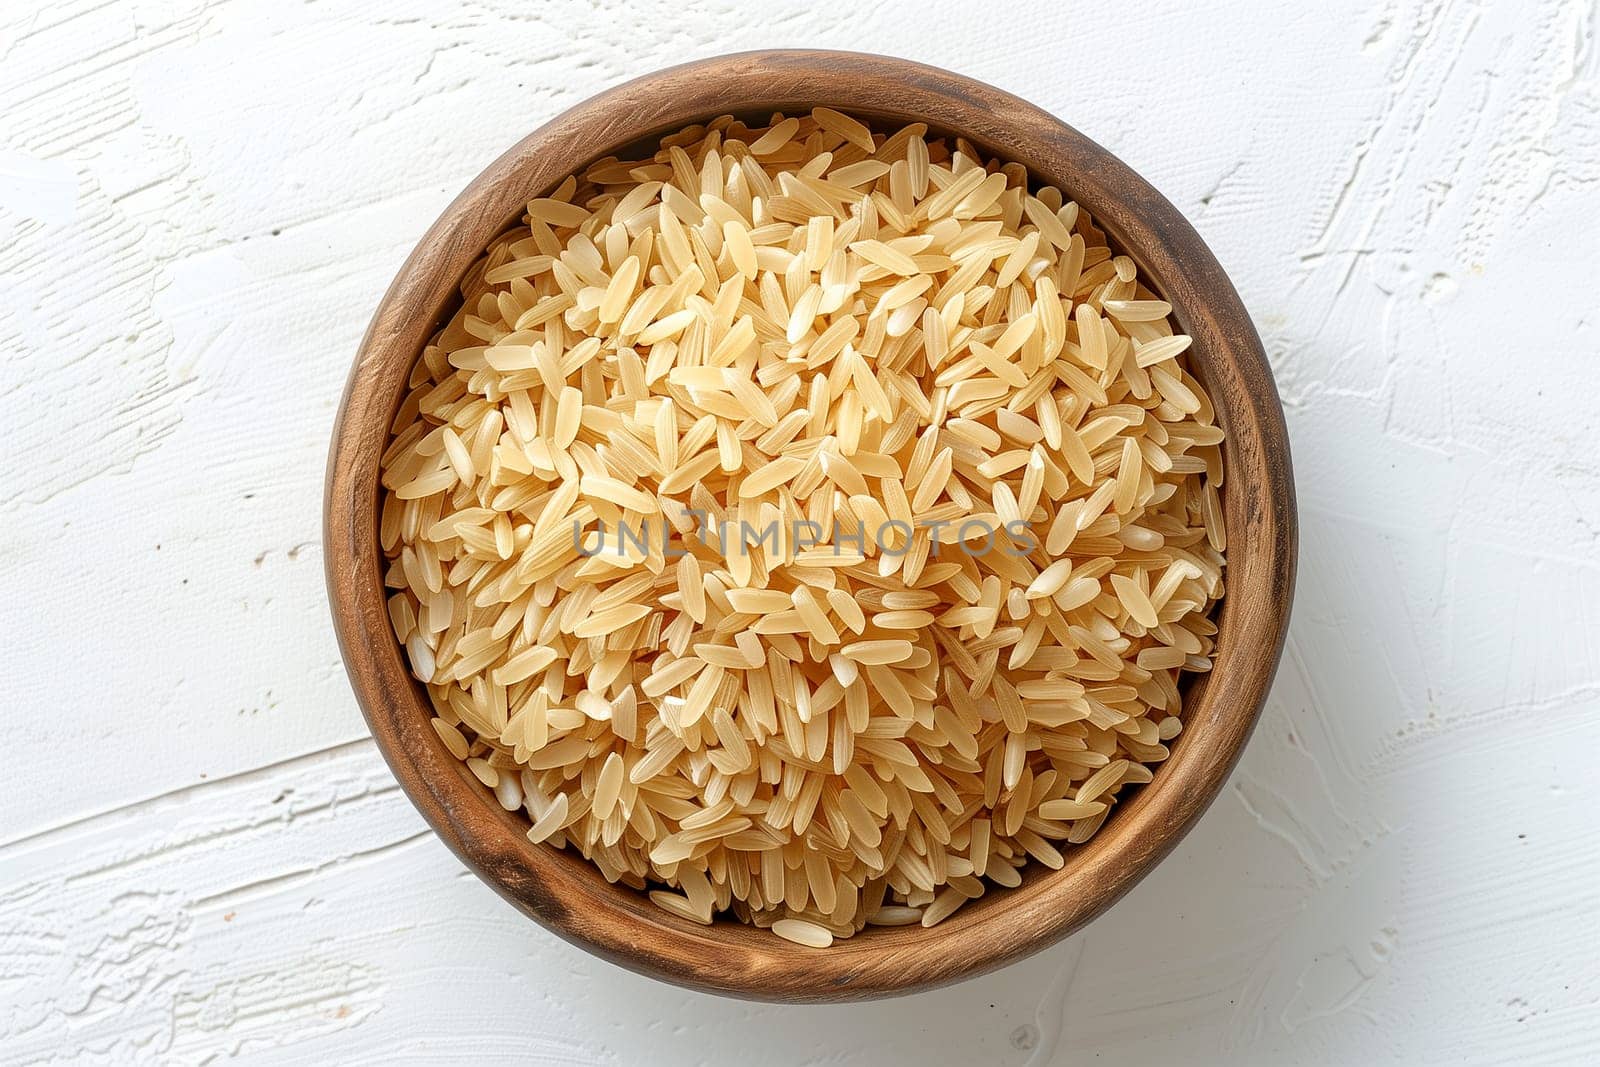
[(560, 889)]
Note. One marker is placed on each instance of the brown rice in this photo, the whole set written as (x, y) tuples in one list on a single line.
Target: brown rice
[(806, 326)]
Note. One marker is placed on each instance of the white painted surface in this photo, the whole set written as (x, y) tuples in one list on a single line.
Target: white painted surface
[(200, 204)]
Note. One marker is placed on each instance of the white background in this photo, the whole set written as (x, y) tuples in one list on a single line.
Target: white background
[(203, 855)]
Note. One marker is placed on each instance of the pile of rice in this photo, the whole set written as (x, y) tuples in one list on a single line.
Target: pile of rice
[(955, 379)]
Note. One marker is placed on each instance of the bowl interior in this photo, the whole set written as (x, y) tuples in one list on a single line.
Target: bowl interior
[(564, 891)]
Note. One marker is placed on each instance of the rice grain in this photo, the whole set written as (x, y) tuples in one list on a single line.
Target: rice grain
[(806, 525)]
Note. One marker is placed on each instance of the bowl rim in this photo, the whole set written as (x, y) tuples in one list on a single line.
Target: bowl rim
[(565, 893)]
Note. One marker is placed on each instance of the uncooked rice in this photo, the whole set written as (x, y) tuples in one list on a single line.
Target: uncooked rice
[(806, 322)]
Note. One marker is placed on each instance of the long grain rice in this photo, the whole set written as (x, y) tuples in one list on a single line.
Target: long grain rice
[(806, 325)]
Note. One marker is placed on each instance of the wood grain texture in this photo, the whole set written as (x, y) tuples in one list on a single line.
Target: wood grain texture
[(563, 891)]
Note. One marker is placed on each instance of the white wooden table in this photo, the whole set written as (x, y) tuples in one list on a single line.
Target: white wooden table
[(204, 858)]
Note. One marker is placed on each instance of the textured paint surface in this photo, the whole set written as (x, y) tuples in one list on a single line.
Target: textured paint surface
[(201, 858)]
